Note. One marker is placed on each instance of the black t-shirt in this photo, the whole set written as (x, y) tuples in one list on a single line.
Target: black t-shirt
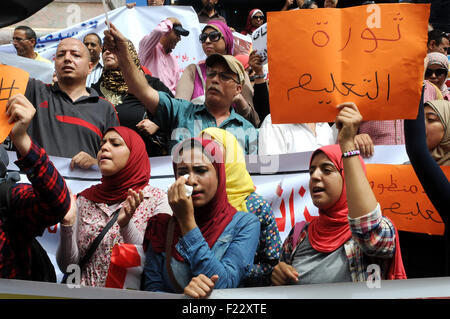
[(64, 127)]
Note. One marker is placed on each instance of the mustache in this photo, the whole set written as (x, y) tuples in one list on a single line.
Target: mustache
[(216, 88)]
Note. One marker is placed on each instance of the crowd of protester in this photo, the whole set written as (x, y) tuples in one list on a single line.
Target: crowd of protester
[(115, 107)]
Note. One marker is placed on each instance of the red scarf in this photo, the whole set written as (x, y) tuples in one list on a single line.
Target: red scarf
[(211, 219), (135, 175), (331, 229)]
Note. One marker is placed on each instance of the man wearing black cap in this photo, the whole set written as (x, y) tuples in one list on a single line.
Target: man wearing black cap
[(155, 51)]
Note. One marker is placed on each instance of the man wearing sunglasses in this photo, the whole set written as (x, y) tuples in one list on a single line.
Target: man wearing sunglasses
[(24, 41), (155, 51), (181, 119)]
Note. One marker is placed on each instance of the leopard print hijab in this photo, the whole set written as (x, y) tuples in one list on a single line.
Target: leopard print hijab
[(112, 79)]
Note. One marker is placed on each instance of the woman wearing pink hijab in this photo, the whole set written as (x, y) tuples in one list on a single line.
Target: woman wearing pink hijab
[(216, 37)]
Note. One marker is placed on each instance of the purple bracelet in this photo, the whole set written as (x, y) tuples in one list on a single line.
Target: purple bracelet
[(350, 153)]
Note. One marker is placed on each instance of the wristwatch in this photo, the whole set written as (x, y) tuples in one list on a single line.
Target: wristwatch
[(260, 76)]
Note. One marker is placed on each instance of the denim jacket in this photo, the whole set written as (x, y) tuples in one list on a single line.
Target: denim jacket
[(230, 258)]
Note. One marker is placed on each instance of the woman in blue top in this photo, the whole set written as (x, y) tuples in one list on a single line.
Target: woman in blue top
[(242, 195), (208, 238)]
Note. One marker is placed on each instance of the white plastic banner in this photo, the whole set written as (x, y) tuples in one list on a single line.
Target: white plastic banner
[(281, 180), (134, 23)]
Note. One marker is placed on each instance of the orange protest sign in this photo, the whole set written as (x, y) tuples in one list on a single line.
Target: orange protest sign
[(403, 200), (12, 81), (370, 55)]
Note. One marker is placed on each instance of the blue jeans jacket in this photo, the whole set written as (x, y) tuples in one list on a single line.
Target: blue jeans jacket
[(230, 257)]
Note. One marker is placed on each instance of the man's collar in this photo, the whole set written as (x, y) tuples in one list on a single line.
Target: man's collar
[(99, 64), (233, 114), (92, 93)]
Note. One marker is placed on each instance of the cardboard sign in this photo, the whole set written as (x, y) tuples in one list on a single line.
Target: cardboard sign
[(403, 200), (370, 55), (12, 82), (259, 39)]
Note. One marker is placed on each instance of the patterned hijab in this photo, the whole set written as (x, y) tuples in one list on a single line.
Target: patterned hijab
[(442, 152), (112, 79)]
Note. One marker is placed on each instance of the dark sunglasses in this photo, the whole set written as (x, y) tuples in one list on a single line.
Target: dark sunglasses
[(258, 17), (213, 36), (437, 72)]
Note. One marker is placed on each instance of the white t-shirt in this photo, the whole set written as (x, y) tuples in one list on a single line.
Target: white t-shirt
[(291, 138)]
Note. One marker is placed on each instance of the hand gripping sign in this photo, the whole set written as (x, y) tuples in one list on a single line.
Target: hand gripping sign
[(12, 82), (370, 55)]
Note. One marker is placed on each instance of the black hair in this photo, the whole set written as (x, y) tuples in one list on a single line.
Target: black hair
[(98, 37), (436, 35), (30, 34), (308, 3)]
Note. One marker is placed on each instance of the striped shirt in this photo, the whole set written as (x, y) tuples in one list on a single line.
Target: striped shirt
[(384, 132), (372, 242), (95, 75)]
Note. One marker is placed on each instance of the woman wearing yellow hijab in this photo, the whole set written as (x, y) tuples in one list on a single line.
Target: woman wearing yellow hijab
[(242, 196)]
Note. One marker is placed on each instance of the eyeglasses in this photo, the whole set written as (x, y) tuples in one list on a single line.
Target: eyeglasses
[(258, 17), (437, 72), (223, 76), (18, 40), (213, 36)]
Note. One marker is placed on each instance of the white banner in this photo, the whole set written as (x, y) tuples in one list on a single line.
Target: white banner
[(134, 23), (37, 69), (281, 180)]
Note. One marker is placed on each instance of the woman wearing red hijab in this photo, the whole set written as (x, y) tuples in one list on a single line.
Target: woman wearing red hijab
[(255, 19), (124, 189), (206, 236), (350, 238)]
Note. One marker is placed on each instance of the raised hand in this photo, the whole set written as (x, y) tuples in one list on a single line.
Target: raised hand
[(115, 41), (347, 122), (134, 199), (182, 205), (20, 112)]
